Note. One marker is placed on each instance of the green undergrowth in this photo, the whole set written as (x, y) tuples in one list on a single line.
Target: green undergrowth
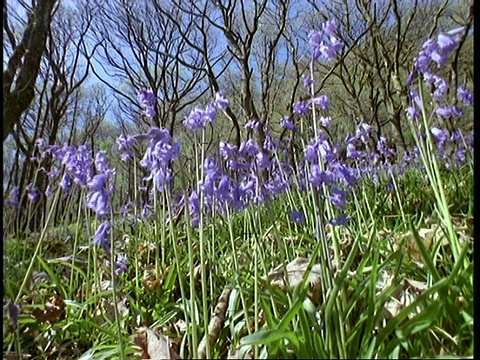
[(398, 291)]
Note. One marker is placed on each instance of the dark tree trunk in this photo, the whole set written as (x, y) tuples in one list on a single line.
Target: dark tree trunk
[(25, 62)]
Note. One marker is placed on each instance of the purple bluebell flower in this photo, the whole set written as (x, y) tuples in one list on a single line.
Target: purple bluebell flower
[(48, 191), (456, 136), (227, 150), (285, 122), (441, 87), (338, 198), (383, 148), (330, 28), (271, 144), (460, 156), (98, 202), (262, 160), (318, 177), (301, 108), (363, 132), (149, 112), (161, 177), (325, 120), (329, 51), (101, 236), (335, 45), (52, 174), (326, 150), (124, 143), (147, 211), (32, 192), (315, 38), (412, 76), (422, 62), (352, 152), (160, 152), (465, 96), (97, 182), (340, 220), (125, 156), (448, 111), (412, 112), (101, 162), (296, 216), (345, 174), (120, 264), (307, 81), (322, 101), (248, 147), (209, 114), (252, 124), (194, 121), (223, 192), (310, 153), (147, 98), (439, 135), (440, 59), (446, 43), (221, 102), (13, 311)]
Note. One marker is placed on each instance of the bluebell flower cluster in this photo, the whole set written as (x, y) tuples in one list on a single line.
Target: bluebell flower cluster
[(326, 42), (433, 56), (199, 118), (236, 177)]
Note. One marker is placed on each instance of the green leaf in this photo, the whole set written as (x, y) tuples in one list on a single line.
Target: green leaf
[(53, 276), (267, 337)]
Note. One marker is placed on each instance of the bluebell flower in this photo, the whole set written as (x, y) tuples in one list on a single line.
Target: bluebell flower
[(307, 81), (323, 101), (465, 96), (330, 28), (227, 150), (13, 311), (315, 38), (221, 102), (32, 192), (252, 124), (120, 264), (194, 121), (101, 236), (338, 198), (340, 220), (285, 122), (439, 135), (325, 120), (147, 98), (318, 177), (98, 202), (297, 216), (301, 108)]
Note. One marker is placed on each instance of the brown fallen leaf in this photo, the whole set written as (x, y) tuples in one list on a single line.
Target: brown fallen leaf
[(406, 293), (295, 272), (150, 280), (54, 310), (154, 345)]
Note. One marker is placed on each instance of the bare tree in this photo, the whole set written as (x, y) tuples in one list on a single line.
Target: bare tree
[(63, 70), (24, 62), (143, 48)]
